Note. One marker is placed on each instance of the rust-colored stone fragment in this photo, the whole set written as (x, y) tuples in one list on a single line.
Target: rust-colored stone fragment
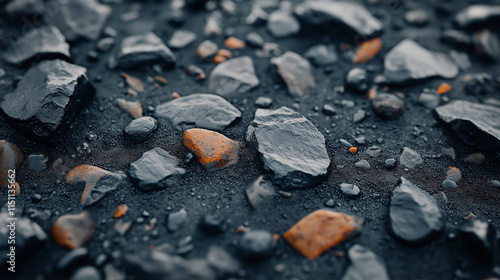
[(453, 174), (320, 231), (133, 108), (234, 43), (219, 59), (444, 88), (88, 174), (133, 82), (73, 231), (368, 50), (120, 210), (353, 150), (10, 157), (213, 150)]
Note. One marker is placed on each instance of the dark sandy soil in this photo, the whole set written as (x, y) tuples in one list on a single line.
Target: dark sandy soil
[(222, 191)]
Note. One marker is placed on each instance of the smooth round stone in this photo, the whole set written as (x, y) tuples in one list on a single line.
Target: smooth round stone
[(390, 163), (256, 245), (448, 184), (140, 129)]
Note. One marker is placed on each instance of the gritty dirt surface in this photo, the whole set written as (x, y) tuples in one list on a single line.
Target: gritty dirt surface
[(222, 192)]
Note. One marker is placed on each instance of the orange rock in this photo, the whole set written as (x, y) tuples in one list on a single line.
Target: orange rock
[(476, 158), (321, 230), (213, 150), (225, 53), (120, 210), (285, 194), (133, 108), (175, 95), (353, 150), (444, 88), (372, 94), (133, 82), (10, 157), (219, 59), (368, 50), (88, 174), (454, 174), (73, 231), (160, 79), (234, 43)]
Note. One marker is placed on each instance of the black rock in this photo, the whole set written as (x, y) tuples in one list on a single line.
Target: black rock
[(417, 17), (140, 129), (38, 162), (415, 216), (259, 192), (160, 266), (480, 84), (282, 23), (346, 13), (350, 190), (79, 18), (387, 105), (201, 110), (487, 44), (181, 38), (213, 224), (156, 169), (235, 75), (357, 79), (196, 4), (289, 147), (176, 219), (475, 124), (42, 43), (296, 72), (263, 102), (321, 55), (104, 185), (19, 9), (141, 50), (364, 265), (456, 37), (256, 245), (36, 198), (222, 261), (72, 260), (86, 273), (410, 62), (254, 40), (478, 14), (39, 108), (479, 239)]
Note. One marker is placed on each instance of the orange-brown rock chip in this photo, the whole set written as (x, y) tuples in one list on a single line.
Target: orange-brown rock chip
[(88, 174), (10, 157), (321, 230), (368, 50), (213, 150), (73, 231), (133, 108)]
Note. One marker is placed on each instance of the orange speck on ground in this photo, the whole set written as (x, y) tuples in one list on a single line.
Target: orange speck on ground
[(444, 88), (133, 108), (219, 59), (160, 79), (368, 50), (276, 237), (133, 82), (320, 231), (120, 210), (73, 231), (225, 53), (353, 150), (371, 94), (213, 150), (175, 95), (234, 43), (88, 174)]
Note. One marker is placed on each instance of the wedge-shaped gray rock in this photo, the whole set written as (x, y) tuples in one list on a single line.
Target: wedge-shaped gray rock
[(289, 147), (281, 23), (477, 15), (410, 62), (46, 42), (79, 18), (236, 75), (104, 185), (475, 124), (47, 98), (364, 265), (156, 169), (200, 110), (347, 13), (414, 214), (139, 50), (410, 158), (296, 72), (259, 192)]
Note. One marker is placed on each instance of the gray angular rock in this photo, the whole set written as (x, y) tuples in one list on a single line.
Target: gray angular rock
[(387, 105), (38, 162), (357, 79), (256, 245), (429, 100), (254, 40), (410, 62), (350, 190), (47, 98), (364, 265), (296, 72), (414, 215), (222, 261), (176, 219), (475, 124), (235, 75), (478, 14), (139, 50), (363, 164), (359, 116), (140, 129), (487, 44), (46, 42), (289, 147), (281, 23), (494, 183), (322, 55), (200, 110), (351, 14), (479, 239), (79, 18), (259, 192), (105, 184), (181, 38), (410, 158), (156, 169), (373, 151)]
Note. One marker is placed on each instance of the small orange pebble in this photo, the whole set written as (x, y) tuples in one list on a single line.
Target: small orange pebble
[(17, 188), (132, 92), (225, 53), (353, 150), (73, 231), (285, 194), (88, 174), (120, 210), (321, 230), (133, 108), (444, 88), (276, 237), (160, 79), (466, 78), (151, 225), (219, 59), (133, 82), (242, 229), (175, 95), (234, 43), (368, 50), (470, 216), (212, 149), (371, 94)]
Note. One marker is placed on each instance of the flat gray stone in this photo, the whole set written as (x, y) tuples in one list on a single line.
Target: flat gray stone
[(235, 75), (365, 265), (296, 72), (181, 38), (410, 158), (282, 24), (322, 55)]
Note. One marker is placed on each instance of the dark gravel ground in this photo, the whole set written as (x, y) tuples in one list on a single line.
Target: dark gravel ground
[(222, 192)]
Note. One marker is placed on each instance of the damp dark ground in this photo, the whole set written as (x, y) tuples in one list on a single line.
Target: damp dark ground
[(222, 192)]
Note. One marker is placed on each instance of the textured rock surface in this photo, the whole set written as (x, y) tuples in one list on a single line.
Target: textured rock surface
[(289, 147), (47, 98), (199, 111), (236, 75), (296, 72), (364, 265), (410, 158), (321, 55)]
